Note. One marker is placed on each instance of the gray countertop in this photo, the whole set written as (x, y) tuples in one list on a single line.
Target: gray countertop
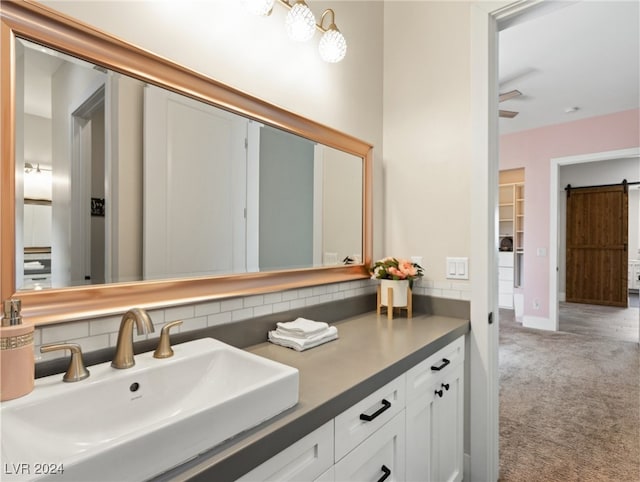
[(370, 352)]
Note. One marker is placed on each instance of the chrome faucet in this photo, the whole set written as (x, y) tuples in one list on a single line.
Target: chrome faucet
[(124, 349)]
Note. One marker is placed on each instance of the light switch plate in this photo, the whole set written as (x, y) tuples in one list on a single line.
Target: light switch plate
[(457, 268)]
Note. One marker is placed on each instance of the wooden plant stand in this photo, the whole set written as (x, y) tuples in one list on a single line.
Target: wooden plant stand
[(390, 308)]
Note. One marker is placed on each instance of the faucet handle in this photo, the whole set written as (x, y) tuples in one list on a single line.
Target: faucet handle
[(76, 370), (164, 349)]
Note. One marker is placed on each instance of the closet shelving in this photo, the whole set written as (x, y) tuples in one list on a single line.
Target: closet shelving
[(511, 228)]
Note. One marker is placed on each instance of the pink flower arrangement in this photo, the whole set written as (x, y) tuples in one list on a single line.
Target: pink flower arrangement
[(396, 269)]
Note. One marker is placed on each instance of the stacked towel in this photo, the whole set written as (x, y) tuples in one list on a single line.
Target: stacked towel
[(302, 334)]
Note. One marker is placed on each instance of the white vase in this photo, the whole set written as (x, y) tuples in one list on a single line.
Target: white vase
[(400, 289)]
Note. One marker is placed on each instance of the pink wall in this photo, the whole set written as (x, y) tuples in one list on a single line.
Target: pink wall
[(533, 149)]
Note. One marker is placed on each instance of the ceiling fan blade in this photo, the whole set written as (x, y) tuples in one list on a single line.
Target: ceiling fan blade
[(509, 114), (509, 95)]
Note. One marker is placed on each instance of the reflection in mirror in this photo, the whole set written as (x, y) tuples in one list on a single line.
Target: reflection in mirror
[(118, 180)]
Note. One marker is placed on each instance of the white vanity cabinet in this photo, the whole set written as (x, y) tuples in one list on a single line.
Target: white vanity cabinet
[(409, 429), (307, 459), (434, 416)]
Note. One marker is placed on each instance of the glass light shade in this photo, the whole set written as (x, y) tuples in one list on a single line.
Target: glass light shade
[(300, 22), (259, 7), (333, 46)]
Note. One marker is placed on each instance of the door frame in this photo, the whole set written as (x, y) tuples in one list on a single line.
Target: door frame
[(486, 20), (554, 228)]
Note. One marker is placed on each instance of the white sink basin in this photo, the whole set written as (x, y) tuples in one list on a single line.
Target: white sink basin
[(136, 423)]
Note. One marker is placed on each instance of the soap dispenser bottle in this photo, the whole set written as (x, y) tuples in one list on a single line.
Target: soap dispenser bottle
[(17, 362)]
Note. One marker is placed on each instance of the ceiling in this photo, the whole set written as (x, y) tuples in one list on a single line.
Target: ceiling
[(583, 54)]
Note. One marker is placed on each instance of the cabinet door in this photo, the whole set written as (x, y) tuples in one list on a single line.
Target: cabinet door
[(379, 457), (448, 448), (420, 420), (435, 429)]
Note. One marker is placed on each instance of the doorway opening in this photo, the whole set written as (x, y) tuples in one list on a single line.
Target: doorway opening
[(88, 235)]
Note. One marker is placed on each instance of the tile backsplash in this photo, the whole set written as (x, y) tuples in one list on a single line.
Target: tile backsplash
[(99, 333)]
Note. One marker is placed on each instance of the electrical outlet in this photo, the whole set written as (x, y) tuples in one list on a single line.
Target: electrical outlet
[(536, 304)]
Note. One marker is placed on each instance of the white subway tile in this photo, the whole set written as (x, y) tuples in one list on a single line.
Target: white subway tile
[(282, 306), (231, 305), (452, 294), (219, 318), (326, 298), (65, 332), (242, 314), (297, 304), (305, 293), (272, 298), (443, 285), (203, 309), (319, 290), (251, 301), (158, 316), (101, 326), (312, 300), (290, 295), (434, 292), (193, 324), (179, 313), (92, 343), (349, 293), (262, 310)]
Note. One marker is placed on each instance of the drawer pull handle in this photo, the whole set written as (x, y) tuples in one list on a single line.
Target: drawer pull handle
[(387, 473), (445, 386), (437, 368), (439, 393), (368, 418)]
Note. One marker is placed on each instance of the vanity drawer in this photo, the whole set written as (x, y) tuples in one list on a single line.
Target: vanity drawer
[(307, 459), (365, 417), (421, 376), (379, 457)]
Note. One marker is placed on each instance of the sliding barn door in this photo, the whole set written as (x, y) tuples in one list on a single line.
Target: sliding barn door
[(597, 256)]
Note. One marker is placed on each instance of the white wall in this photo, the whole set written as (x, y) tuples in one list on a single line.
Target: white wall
[(427, 136), (596, 173), (253, 54)]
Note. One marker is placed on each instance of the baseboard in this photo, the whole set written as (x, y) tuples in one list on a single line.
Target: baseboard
[(538, 323), (562, 296), (466, 463)]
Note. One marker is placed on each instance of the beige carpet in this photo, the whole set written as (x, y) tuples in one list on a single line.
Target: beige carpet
[(569, 406)]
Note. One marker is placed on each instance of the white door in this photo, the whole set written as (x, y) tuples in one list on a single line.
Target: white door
[(191, 150)]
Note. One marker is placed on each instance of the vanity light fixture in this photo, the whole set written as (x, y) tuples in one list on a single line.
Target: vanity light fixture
[(300, 24), (333, 46), (259, 7)]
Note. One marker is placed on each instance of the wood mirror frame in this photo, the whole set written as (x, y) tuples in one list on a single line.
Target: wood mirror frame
[(35, 22)]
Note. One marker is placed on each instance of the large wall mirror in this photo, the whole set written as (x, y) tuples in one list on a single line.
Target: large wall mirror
[(132, 181)]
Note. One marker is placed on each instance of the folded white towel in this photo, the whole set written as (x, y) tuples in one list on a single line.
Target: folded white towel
[(301, 344), (33, 265), (302, 328)]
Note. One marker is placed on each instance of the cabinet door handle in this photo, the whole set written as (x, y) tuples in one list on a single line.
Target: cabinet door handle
[(445, 386), (437, 368), (387, 472), (385, 406), (439, 393)]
